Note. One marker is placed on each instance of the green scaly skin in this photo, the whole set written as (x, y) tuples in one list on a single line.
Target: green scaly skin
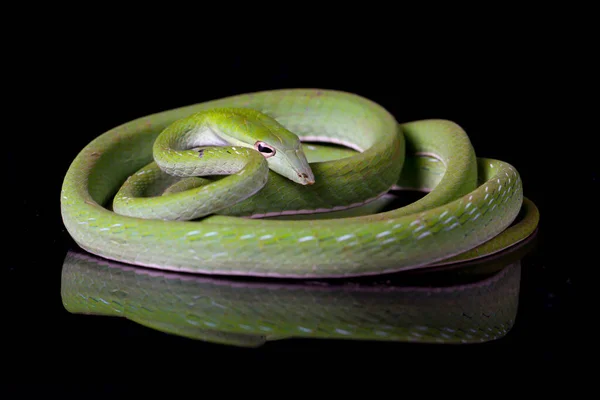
[(474, 201)]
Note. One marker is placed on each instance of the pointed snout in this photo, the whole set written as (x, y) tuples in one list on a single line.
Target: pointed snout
[(306, 179), (303, 170), (293, 165), (300, 169)]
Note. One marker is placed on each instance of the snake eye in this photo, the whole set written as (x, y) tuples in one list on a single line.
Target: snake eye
[(264, 149)]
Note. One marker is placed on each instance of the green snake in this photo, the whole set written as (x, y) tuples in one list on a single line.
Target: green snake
[(231, 186)]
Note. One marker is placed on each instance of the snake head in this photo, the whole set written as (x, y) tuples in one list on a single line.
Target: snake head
[(253, 129), (286, 161)]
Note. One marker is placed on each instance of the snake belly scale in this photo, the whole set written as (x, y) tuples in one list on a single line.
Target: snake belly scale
[(251, 153)]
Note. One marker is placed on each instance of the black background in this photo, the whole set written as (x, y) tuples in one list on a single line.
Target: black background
[(496, 88)]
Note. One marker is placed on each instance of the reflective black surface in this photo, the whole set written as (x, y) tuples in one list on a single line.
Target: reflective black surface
[(490, 106)]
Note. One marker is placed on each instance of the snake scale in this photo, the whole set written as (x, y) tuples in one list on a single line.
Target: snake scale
[(231, 186)]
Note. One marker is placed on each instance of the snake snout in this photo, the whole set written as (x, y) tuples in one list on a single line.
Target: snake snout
[(306, 179)]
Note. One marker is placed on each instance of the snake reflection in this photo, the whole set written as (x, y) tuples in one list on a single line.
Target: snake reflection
[(479, 304)]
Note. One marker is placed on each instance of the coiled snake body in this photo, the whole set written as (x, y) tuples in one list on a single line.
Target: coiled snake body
[(196, 189)]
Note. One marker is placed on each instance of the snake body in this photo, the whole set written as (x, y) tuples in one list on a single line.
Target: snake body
[(191, 189)]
